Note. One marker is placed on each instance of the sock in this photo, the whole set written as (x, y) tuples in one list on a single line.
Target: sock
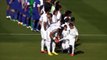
[(53, 46), (48, 46), (42, 44)]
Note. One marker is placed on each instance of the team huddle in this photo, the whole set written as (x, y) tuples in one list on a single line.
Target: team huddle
[(58, 29), (55, 27)]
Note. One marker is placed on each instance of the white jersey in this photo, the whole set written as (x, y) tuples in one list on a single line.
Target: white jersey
[(65, 33), (70, 34), (59, 15), (43, 19), (73, 32), (55, 21)]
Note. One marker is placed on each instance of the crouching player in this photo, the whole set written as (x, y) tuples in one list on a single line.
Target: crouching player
[(65, 42), (71, 36)]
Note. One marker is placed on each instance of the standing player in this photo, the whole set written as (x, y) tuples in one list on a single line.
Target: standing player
[(36, 15), (43, 23), (8, 9)]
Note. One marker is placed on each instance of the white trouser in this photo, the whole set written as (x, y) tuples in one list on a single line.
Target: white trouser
[(71, 42), (43, 41), (65, 44), (48, 43)]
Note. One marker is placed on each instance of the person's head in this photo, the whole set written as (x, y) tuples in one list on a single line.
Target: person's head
[(49, 16), (58, 7), (55, 12), (48, 1), (65, 27), (53, 2), (68, 13), (58, 3), (71, 25)]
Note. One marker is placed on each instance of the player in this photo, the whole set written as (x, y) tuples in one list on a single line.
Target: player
[(72, 38), (43, 23), (35, 15), (8, 9), (65, 42), (48, 42), (73, 34), (51, 39)]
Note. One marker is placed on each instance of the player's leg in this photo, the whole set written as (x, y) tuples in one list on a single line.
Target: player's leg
[(43, 41), (72, 46), (24, 19), (53, 48), (48, 43), (8, 9), (20, 18)]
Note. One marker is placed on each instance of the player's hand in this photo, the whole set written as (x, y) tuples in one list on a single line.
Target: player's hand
[(56, 40)]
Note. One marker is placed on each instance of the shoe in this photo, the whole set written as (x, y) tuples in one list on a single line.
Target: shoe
[(44, 51), (37, 30), (55, 53), (50, 54), (71, 54), (28, 27), (31, 29), (7, 16), (24, 24)]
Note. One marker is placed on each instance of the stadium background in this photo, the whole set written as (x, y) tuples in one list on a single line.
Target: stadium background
[(19, 43)]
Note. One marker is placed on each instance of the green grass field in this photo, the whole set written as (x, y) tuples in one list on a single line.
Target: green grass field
[(19, 43)]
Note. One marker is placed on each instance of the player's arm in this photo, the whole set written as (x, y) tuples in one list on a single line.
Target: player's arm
[(51, 35)]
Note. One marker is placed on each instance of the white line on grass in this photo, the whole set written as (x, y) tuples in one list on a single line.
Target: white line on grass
[(25, 34)]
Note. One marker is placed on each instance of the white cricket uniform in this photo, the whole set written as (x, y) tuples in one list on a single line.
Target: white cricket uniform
[(71, 37), (48, 40), (43, 19), (55, 21), (59, 15), (65, 43)]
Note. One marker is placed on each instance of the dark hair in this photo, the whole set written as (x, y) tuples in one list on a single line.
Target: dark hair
[(58, 7), (71, 24), (50, 14), (68, 13), (72, 19), (65, 26), (55, 11)]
